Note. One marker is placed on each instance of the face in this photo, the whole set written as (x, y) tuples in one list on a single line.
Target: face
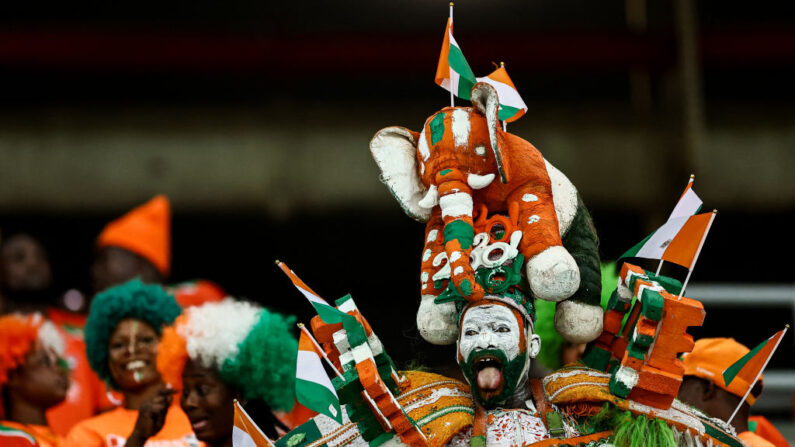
[(493, 352), (42, 380), (24, 264), (115, 265), (131, 354), (208, 402)]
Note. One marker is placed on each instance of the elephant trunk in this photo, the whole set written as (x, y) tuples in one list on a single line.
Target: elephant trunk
[(455, 201)]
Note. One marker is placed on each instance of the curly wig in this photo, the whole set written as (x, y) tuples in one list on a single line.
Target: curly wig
[(133, 299), (18, 335), (253, 349)]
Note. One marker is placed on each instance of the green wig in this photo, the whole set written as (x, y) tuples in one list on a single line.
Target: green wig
[(133, 299)]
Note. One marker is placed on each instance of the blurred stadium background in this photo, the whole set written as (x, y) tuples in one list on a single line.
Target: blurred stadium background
[(255, 117)]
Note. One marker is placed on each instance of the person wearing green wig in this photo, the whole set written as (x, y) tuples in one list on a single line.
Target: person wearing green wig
[(222, 351), (122, 334)]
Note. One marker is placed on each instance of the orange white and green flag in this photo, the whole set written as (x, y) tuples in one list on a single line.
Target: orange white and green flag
[(512, 107), (245, 433), (750, 366), (313, 388), (328, 313), (453, 73)]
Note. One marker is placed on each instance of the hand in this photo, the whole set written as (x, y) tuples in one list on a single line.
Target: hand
[(151, 417)]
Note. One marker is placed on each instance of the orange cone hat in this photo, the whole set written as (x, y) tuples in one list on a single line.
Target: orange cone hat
[(145, 231)]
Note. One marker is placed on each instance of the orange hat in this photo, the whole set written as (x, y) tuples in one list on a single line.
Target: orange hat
[(145, 231), (711, 356), (196, 293)]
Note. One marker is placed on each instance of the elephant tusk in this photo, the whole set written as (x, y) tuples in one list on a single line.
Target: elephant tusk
[(479, 181), (431, 199)]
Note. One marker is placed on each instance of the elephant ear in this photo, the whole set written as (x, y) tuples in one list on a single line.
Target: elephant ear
[(395, 151), (484, 98)]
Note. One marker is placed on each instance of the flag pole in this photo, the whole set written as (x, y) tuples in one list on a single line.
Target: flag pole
[(758, 375), (698, 252), (504, 123), (319, 349), (450, 69)]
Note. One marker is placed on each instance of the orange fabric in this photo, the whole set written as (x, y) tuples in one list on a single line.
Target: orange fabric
[(443, 68), (767, 430), (111, 429), (754, 440), (44, 436), (146, 231), (17, 336), (711, 356), (87, 394), (682, 249)]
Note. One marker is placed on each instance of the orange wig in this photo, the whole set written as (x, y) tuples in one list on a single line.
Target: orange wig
[(172, 354), (18, 335)]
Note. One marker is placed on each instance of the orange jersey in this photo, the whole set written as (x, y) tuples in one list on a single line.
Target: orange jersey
[(87, 394), (42, 434), (111, 429), (754, 440)]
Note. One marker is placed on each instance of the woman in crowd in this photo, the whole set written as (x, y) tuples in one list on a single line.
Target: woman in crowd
[(122, 334), (219, 352), (33, 378)]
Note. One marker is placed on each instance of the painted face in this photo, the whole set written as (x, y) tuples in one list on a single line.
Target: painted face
[(493, 352), (41, 380), (208, 402), (132, 351)]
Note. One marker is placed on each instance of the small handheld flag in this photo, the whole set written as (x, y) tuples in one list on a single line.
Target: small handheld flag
[(313, 389), (512, 107), (751, 365), (453, 72), (245, 433), (327, 312), (689, 203)]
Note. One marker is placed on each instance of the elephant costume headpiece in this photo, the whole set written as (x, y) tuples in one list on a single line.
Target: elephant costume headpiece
[(445, 176)]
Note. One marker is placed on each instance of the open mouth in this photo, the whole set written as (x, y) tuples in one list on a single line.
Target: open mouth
[(489, 374), (199, 424)]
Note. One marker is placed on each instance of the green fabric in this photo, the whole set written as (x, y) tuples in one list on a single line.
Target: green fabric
[(507, 112), (731, 372), (466, 78), (635, 249), (318, 398), (302, 435)]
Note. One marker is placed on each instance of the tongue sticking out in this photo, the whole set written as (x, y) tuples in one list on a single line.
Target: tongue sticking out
[(489, 378)]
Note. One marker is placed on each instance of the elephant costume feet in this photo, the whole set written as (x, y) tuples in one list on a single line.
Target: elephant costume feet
[(578, 322), (437, 322), (553, 274)]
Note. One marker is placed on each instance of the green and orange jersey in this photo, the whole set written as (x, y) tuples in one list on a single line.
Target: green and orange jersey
[(111, 429), (42, 435), (87, 395)]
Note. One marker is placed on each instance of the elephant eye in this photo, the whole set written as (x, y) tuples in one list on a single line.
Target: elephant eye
[(480, 150)]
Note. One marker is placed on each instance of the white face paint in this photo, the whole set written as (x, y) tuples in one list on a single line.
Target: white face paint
[(489, 327)]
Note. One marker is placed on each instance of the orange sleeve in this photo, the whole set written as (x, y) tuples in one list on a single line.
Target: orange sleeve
[(767, 430), (754, 440), (82, 436)]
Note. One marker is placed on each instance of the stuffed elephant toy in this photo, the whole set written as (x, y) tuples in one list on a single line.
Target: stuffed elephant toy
[(461, 160)]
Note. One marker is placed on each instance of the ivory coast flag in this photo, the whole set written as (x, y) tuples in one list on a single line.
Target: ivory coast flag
[(245, 432), (328, 313), (655, 245), (750, 366), (453, 72), (313, 389), (512, 107)]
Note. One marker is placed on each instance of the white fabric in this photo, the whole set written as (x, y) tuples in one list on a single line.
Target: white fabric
[(309, 368), (659, 241), (688, 205), (507, 94)]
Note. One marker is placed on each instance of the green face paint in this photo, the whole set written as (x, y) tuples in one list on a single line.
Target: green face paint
[(511, 372), (437, 128)]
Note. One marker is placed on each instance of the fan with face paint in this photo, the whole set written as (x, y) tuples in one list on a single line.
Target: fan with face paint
[(495, 346)]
